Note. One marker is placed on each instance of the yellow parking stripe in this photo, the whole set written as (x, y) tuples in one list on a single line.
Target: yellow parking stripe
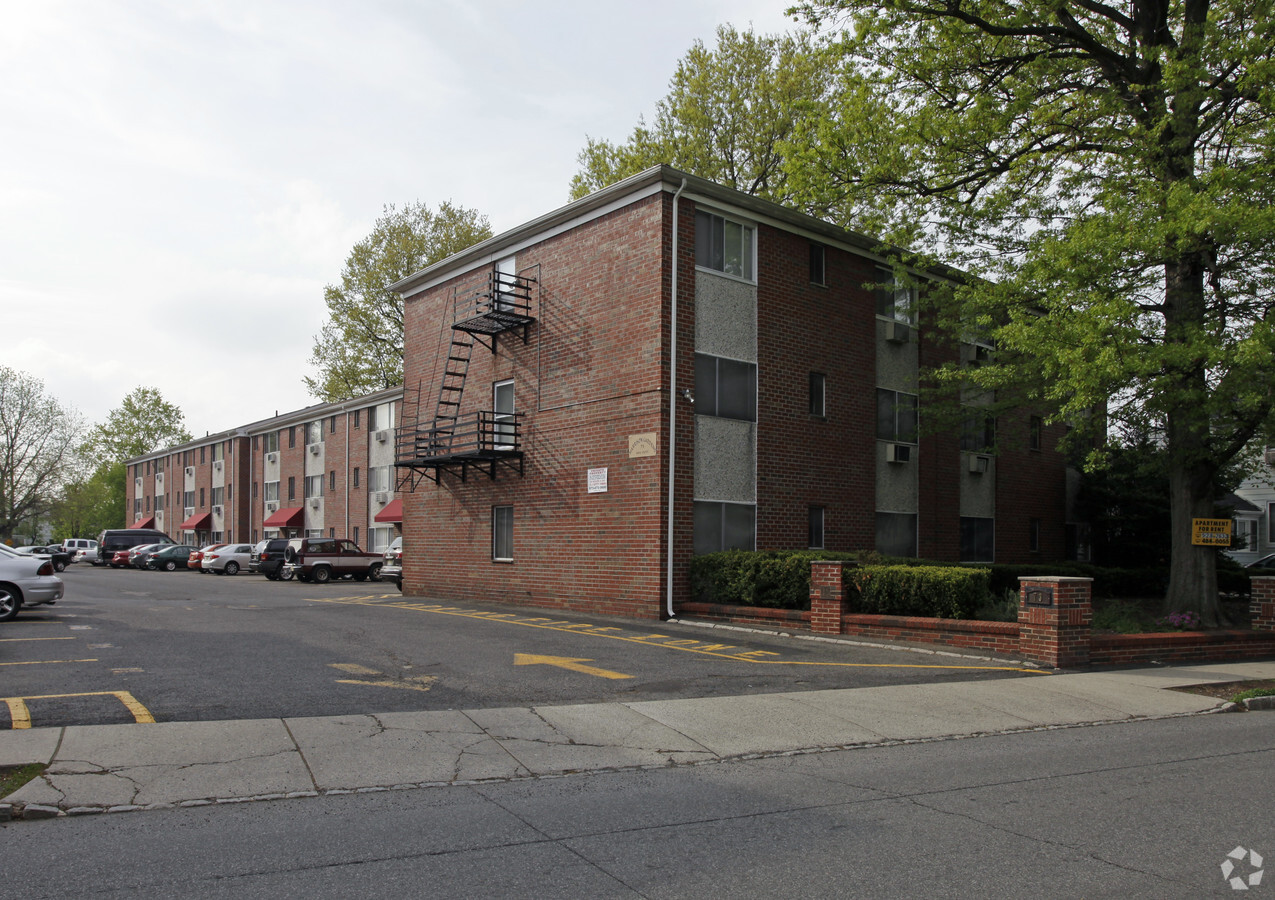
[(703, 648), (20, 640), (21, 715), (42, 662)]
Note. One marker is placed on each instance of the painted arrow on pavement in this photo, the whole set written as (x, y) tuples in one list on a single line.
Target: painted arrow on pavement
[(563, 662)]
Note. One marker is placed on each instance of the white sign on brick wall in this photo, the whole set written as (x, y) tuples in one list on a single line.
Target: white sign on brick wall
[(597, 481)]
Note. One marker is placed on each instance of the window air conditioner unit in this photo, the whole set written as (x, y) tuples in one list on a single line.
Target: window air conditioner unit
[(980, 464), (315, 449), (190, 471), (272, 507), (898, 453), (898, 332), (218, 465), (383, 497), (272, 457), (382, 436), (217, 510), (316, 502)]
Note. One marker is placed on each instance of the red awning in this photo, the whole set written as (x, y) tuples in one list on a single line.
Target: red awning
[(393, 512), (198, 522), (148, 522), (293, 517)]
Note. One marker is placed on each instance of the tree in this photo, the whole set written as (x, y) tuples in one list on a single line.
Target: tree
[(360, 349), (90, 505), (142, 423), (1105, 173), (726, 117), (37, 443)]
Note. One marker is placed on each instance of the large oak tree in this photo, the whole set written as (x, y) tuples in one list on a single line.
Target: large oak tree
[(1106, 170)]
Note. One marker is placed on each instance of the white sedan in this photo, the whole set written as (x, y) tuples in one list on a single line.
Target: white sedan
[(227, 559), (26, 581)]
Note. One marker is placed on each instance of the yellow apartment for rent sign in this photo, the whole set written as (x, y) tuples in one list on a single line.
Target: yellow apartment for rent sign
[(1211, 532)]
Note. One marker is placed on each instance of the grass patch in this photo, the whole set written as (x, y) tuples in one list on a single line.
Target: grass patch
[(14, 777), (1234, 691)]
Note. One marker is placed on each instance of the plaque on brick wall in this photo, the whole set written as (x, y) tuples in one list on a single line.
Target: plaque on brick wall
[(641, 445), (1039, 596)]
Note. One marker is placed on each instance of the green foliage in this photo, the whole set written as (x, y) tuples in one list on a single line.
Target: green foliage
[(37, 443), (14, 777), (1002, 609), (142, 423), (726, 117), (1105, 173), (1121, 616), (89, 506), (943, 592), (778, 579), (360, 349)]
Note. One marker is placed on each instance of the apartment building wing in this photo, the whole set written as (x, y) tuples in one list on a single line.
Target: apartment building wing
[(669, 367), (323, 470)]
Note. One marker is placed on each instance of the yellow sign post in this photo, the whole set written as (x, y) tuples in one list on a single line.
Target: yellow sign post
[(1211, 532)]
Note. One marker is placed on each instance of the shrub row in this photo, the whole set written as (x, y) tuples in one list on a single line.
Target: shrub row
[(940, 592)]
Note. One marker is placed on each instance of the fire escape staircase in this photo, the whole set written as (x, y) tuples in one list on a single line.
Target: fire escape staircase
[(483, 439)]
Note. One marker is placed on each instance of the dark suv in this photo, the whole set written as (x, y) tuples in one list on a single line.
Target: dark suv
[(126, 539), (267, 558)]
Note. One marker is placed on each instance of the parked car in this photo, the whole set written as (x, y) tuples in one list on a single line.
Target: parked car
[(119, 559), (26, 580), (61, 559), (267, 559), (169, 558), (1265, 562), (197, 558), (392, 569), (227, 559), (115, 539), (322, 559), (80, 548), (137, 556)]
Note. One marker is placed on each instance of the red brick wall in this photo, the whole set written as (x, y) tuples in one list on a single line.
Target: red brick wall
[(804, 461), (588, 377)]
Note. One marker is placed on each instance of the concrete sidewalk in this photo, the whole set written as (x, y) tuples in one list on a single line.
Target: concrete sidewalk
[(112, 768)]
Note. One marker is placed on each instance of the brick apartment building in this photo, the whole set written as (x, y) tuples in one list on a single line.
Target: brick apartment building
[(323, 470), (668, 367)]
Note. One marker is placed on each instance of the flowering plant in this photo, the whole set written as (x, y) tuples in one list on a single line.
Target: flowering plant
[(1181, 621)]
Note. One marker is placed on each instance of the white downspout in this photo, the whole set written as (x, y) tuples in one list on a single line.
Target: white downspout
[(672, 407)]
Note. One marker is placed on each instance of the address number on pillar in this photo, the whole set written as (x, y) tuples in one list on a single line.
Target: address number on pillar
[(1039, 596)]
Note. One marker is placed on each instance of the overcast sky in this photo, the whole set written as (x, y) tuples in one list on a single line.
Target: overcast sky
[(179, 181)]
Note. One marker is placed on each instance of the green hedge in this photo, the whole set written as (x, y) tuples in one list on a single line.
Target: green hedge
[(778, 579), (940, 592)]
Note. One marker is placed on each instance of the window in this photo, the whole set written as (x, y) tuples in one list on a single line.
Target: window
[(201, 498), (896, 416), (188, 501), (255, 490), (724, 526), (272, 442), (313, 486), (1245, 531), (314, 432), (332, 480), (725, 388), (1270, 521), (332, 425), (502, 533), (272, 491), (978, 432), (378, 539), (817, 385), (896, 534), (356, 476), (202, 458), (815, 528), (504, 430), (977, 539), (1034, 430), (356, 418), (292, 487), (1033, 536), (218, 496), (354, 534), (723, 245), (218, 451), (894, 301), (378, 478), (230, 491), (292, 436), (371, 418), (148, 503), (816, 264)]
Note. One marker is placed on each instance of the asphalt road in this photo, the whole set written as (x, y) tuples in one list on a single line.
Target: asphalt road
[(1150, 809), (127, 645)]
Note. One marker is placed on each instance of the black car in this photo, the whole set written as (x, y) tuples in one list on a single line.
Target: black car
[(61, 558), (170, 558), (267, 558)]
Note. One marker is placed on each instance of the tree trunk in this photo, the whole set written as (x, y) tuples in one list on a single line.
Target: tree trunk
[(1193, 570)]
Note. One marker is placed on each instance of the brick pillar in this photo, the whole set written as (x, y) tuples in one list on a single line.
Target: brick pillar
[(1261, 604), (827, 595), (1054, 618)]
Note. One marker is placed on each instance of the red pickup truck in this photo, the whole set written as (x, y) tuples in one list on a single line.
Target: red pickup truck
[(322, 559)]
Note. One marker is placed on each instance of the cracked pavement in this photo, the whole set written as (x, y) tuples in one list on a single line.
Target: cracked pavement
[(107, 768)]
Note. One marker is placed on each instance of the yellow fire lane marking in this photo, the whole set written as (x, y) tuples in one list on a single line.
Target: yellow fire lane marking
[(21, 715), (20, 640), (705, 648), (380, 679), (563, 662), (42, 662)]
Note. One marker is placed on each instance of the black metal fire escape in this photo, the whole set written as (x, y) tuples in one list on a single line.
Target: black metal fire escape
[(483, 439)]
